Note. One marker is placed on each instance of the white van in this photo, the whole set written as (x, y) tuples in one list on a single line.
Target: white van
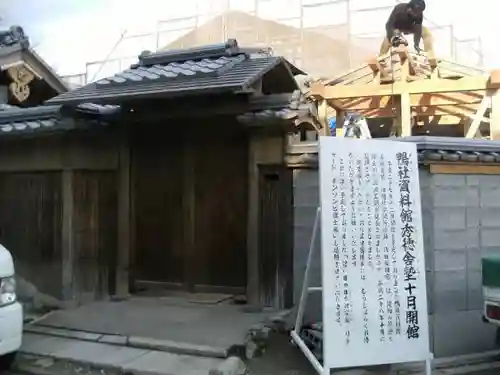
[(11, 312)]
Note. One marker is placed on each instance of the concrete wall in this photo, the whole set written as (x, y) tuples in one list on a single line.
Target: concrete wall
[(461, 217)]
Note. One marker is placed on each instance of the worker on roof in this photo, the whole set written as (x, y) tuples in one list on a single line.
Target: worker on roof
[(406, 18)]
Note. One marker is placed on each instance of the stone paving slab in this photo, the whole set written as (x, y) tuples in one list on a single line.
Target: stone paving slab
[(131, 341), (41, 344), (65, 356), (116, 358), (97, 354), (177, 347), (222, 326), (80, 335), (78, 350), (160, 362)]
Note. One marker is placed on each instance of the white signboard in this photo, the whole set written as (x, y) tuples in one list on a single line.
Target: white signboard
[(374, 291)]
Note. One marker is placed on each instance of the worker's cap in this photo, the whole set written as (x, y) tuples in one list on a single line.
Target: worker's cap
[(418, 5)]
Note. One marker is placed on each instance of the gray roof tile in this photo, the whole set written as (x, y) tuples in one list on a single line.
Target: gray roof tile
[(21, 121), (219, 68), (13, 36), (449, 149), (284, 107)]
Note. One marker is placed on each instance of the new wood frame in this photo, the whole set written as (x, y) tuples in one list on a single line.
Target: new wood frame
[(414, 90)]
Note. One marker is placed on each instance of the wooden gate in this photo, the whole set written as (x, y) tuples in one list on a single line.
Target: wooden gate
[(30, 226), (221, 208), (95, 234), (276, 236), (190, 206), (157, 207)]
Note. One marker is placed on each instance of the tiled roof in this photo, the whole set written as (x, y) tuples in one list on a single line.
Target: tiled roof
[(15, 48), (22, 121), (285, 107), (449, 149), (16, 120), (14, 36), (223, 68), (456, 149)]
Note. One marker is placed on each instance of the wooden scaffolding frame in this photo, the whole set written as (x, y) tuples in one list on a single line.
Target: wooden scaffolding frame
[(414, 90)]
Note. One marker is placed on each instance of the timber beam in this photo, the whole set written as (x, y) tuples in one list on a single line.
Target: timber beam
[(430, 86), (429, 100)]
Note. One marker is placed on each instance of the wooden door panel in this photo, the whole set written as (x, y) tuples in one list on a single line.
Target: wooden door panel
[(221, 195)]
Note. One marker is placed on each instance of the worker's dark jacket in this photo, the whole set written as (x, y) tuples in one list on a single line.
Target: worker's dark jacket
[(401, 20)]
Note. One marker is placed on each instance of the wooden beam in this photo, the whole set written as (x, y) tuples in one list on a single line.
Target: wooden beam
[(450, 98), (466, 125), (430, 99), (439, 120), (462, 111), (374, 65), (67, 243), (123, 220), (406, 116), (339, 123), (397, 88), (495, 116), (478, 117), (424, 111), (323, 117), (189, 206), (472, 168), (396, 121)]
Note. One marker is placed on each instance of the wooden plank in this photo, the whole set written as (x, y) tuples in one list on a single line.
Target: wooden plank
[(339, 123), (495, 117), (123, 211), (429, 99), (478, 117), (440, 120), (189, 208), (472, 168), (67, 235), (461, 111), (323, 117), (276, 236), (406, 116), (422, 111), (418, 87), (450, 98)]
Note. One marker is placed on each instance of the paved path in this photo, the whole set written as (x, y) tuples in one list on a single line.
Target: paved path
[(166, 318), (67, 356), (112, 357)]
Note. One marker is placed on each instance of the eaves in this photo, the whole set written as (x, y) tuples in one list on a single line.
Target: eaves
[(17, 54), (239, 79)]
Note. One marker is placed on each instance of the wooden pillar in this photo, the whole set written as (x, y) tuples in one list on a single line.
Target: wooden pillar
[(495, 116), (123, 256), (67, 235), (253, 223), (189, 180), (262, 151), (339, 123), (406, 118)]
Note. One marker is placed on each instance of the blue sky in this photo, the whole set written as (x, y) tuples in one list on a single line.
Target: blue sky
[(69, 33)]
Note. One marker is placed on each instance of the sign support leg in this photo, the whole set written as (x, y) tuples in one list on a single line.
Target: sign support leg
[(305, 282), (295, 334), (428, 367)]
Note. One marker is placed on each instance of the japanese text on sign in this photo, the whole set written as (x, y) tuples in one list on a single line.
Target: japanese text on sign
[(372, 256)]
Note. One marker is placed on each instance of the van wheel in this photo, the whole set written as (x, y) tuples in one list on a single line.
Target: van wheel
[(7, 360)]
